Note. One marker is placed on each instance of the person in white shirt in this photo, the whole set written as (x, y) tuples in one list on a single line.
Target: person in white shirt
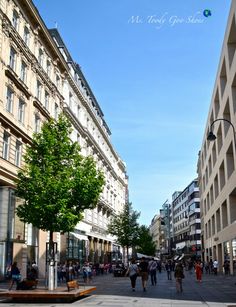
[(215, 266), (152, 268)]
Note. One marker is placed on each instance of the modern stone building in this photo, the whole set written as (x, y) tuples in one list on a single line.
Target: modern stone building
[(217, 159), (155, 231), (186, 223), (38, 80)]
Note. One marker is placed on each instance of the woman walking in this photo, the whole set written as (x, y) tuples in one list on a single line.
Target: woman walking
[(198, 271), (133, 273), (15, 275)]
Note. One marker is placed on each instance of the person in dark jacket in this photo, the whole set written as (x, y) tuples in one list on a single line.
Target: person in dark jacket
[(143, 267), (179, 275)]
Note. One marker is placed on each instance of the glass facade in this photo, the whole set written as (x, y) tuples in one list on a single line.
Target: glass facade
[(75, 249)]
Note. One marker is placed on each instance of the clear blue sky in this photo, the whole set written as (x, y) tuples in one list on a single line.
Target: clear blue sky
[(153, 77)]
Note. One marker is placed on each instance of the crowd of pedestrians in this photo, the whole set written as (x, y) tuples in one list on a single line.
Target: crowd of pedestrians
[(145, 268), (149, 268)]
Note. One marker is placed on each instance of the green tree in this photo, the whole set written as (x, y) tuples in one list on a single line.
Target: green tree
[(56, 183), (125, 227), (145, 244)]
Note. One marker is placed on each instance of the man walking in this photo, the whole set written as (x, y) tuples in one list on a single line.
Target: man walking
[(152, 268), (143, 267)]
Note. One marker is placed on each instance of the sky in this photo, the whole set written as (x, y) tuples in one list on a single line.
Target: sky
[(152, 66)]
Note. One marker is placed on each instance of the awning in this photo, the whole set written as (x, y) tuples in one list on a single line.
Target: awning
[(180, 245), (145, 256), (79, 236)]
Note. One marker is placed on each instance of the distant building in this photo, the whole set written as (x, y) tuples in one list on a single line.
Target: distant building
[(186, 221), (155, 231), (160, 230)]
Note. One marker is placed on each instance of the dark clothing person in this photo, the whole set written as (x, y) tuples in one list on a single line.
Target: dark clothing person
[(168, 270), (179, 275), (143, 267), (15, 275)]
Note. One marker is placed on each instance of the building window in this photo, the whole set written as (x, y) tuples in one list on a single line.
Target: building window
[(78, 112), (12, 60), (21, 111), (18, 153), (6, 145), (48, 68), (40, 57), (46, 102), (70, 100), (26, 36), (15, 19), (23, 71), (36, 123), (56, 109), (39, 90), (57, 81), (9, 104)]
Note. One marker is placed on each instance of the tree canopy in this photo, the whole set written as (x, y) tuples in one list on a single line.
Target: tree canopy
[(125, 226), (57, 183), (145, 244)]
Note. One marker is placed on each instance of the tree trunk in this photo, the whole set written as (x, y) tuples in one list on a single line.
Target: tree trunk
[(51, 262)]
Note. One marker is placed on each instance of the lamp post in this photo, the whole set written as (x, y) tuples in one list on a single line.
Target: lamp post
[(211, 136)]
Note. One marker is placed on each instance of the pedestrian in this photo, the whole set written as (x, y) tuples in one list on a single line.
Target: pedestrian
[(152, 268), (211, 269), (168, 267), (207, 267), (15, 275), (215, 266), (35, 267), (198, 271), (87, 272), (226, 267), (179, 275), (133, 273), (143, 268)]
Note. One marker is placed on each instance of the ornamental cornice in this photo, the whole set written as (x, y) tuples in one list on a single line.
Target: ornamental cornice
[(17, 82), (5, 122), (86, 134), (41, 108)]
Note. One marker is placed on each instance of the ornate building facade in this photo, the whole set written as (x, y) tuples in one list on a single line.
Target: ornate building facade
[(38, 80)]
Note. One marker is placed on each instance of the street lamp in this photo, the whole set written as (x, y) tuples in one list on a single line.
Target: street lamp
[(211, 136)]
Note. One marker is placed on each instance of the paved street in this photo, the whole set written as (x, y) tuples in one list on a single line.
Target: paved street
[(112, 291)]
